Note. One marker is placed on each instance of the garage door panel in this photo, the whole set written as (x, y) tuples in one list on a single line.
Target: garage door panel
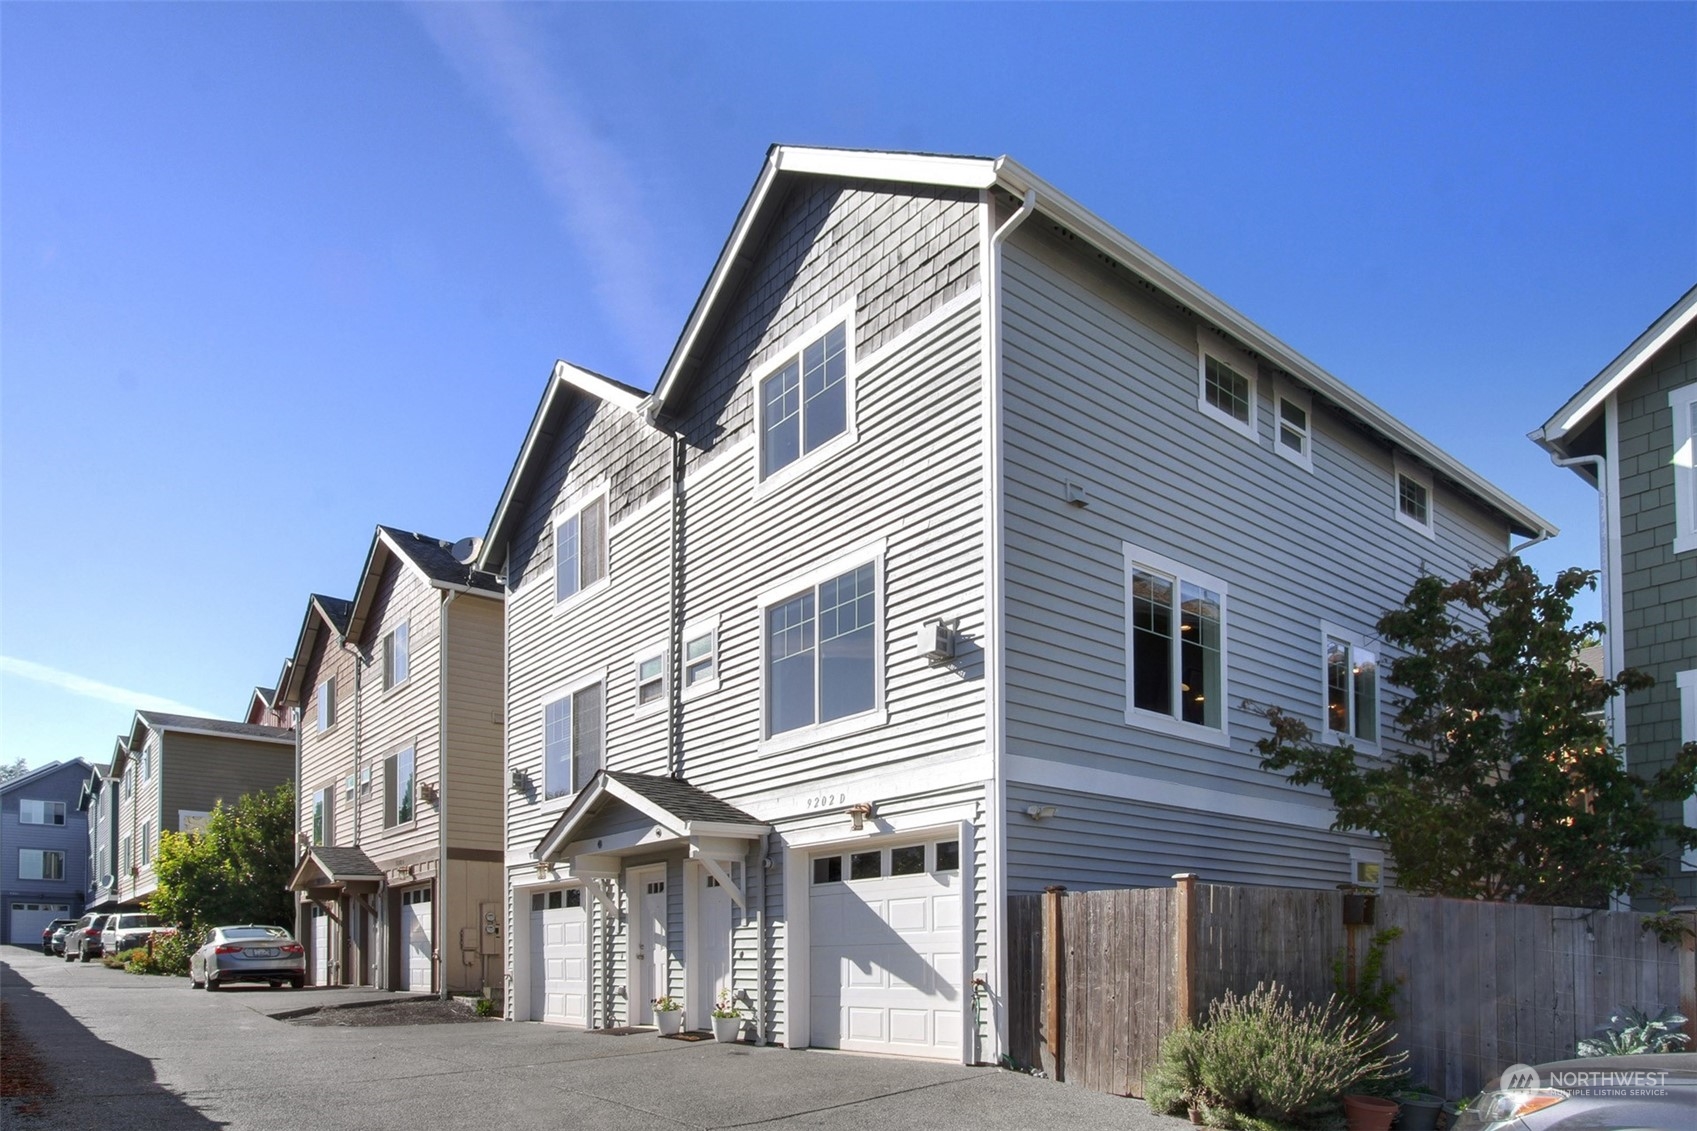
[(945, 911), (910, 1026), (908, 914), (866, 1025)]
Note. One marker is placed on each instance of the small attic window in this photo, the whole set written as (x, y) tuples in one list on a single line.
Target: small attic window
[(1415, 505)]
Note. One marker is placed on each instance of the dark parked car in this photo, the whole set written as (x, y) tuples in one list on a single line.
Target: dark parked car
[(1652, 1091), (49, 931), (83, 939), (248, 953)]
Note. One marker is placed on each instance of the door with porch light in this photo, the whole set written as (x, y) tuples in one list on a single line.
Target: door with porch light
[(648, 942)]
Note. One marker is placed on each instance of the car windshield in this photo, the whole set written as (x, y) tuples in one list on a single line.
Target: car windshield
[(125, 921), (254, 933)]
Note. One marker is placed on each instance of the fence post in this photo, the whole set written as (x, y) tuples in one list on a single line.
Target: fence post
[(1052, 989), (1184, 950)]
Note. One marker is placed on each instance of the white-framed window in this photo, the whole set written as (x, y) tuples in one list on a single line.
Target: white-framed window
[(1293, 425), (1683, 402), (348, 784), (1412, 498), (323, 827), (1225, 383), (650, 669), (124, 854), (572, 737), (1349, 688), (1687, 684), (146, 843), (326, 705), (701, 658), (1367, 868), (400, 788), (805, 397), (1175, 647), (580, 548), (40, 812), (130, 782), (822, 640), (395, 656), (147, 762), (40, 864), (192, 820)]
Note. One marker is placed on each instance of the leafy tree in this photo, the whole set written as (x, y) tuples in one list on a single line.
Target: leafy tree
[(236, 870), (1510, 788), (10, 770)]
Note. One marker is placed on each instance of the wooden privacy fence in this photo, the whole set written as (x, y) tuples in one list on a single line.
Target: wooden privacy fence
[(1096, 979)]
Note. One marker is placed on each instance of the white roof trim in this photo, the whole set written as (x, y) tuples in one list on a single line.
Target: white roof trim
[(1597, 390), (598, 386), (909, 168)]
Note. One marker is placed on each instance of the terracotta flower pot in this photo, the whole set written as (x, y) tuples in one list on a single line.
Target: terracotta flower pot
[(1369, 1113)]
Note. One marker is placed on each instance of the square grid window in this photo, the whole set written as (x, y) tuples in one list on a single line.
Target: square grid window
[(1177, 643), (395, 656), (821, 652), (1414, 503), (1352, 691), (1226, 380), (580, 549), (805, 403), (571, 740), (1227, 390)]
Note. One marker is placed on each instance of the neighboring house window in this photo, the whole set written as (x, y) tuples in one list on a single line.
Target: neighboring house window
[(395, 656), (1687, 683), (580, 548), (146, 843), (124, 854), (192, 820), (1414, 502), (327, 704), (1226, 382), (804, 399), (571, 740), (1367, 867), (1176, 629), (822, 652), (322, 830), (1293, 427), (701, 657), (147, 764), (41, 812), (1351, 677), (40, 864), (1683, 401), (348, 789), (398, 788), (650, 678), (129, 784)]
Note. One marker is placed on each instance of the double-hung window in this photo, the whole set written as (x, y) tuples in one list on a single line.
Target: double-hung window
[(323, 830), (41, 812), (701, 657), (1351, 694), (400, 788), (1683, 402), (1176, 647), (650, 667), (571, 739), (1225, 378), (326, 708), (805, 399), (580, 548), (822, 651), (1414, 503), (395, 656), (40, 864), (1293, 425), (146, 843)]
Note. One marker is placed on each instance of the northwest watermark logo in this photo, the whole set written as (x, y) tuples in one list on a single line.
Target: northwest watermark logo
[(1519, 1078)]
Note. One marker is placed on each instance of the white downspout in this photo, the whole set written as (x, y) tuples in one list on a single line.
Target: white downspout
[(1614, 658)]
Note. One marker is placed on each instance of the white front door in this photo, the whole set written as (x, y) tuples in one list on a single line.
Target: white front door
[(320, 946), (416, 933), (885, 951), (647, 887), (713, 954), (559, 957)]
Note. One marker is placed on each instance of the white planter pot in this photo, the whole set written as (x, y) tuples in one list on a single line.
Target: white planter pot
[(670, 1021), (727, 1029)]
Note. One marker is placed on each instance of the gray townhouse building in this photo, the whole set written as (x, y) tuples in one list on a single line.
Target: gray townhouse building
[(43, 850)]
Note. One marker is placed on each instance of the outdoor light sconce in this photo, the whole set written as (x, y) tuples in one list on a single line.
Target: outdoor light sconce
[(1040, 812), (427, 790), (521, 781), (858, 815)]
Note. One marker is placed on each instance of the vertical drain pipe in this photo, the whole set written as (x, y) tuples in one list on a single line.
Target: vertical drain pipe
[(675, 627), (439, 919)]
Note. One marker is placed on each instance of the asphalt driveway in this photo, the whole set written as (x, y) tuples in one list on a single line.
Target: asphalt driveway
[(151, 1053)]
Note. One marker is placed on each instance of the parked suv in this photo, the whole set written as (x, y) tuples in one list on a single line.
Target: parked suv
[(83, 940), (128, 929), (49, 931)]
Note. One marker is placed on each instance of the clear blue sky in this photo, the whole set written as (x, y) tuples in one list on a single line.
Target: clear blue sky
[(271, 274)]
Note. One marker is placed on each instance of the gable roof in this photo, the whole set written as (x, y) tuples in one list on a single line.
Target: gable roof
[(321, 613), (784, 163), (333, 865), (160, 723), (45, 771), (671, 803), (565, 382), (1577, 412), (431, 558)]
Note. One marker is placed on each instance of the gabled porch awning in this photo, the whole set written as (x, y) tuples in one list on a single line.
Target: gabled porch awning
[(618, 814), (326, 873)]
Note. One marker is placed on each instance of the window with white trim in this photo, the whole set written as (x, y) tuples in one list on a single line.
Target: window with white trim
[(326, 705), (1225, 380), (572, 739), (348, 784), (1175, 645), (1687, 683), (395, 655), (1414, 502), (40, 864), (822, 653), (805, 397), (147, 762), (701, 658), (650, 678), (146, 843), (580, 548), (1350, 688), (1683, 402), (41, 812), (400, 788), (1293, 425), (1367, 868), (323, 831)]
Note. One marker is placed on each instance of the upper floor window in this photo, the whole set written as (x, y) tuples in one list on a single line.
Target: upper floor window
[(41, 812), (701, 657), (1414, 503), (571, 739), (124, 854), (1293, 428), (1367, 868), (822, 652), (130, 782), (651, 678), (1683, 401), (1352, 689), (146, 843), (147, 762), (322, 829), (40, 864), (326, 705), (580, 548), (1176, 646), (395, 656), (805, 399), (1225, 378), (399, 788)]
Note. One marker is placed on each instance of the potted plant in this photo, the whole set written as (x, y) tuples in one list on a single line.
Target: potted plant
[(1453, 1110), (1420, 1107), (668, 1015), (727, 1018), (1368, 1113)]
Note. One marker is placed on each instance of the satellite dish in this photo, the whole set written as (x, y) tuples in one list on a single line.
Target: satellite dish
[(466, 549), (108, 880)]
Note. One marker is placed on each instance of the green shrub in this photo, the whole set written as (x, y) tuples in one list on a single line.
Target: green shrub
[(1260, 1062), (168, 955), (117, 961), (1634, 1031), (485, 1007)]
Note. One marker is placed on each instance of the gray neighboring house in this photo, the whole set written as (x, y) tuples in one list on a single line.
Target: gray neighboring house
[(1630, 432), (949, 559), (98, 801), (43, 850)]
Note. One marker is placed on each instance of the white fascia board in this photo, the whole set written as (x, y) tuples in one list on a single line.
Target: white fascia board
[(654, 812), (164, 730), (601, 388), (1589, 399), (907, 168), (724, 829), (1018, 180)]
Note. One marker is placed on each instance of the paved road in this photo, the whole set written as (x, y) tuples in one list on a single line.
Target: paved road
[(142, 1053)]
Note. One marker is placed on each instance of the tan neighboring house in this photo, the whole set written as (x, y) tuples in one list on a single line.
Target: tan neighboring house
[(263, 708), (170, 772), (399, 697)]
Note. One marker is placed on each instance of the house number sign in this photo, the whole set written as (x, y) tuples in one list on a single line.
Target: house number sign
[(827, 800)]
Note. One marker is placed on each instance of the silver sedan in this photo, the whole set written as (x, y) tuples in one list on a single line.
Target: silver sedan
[(248, 953)]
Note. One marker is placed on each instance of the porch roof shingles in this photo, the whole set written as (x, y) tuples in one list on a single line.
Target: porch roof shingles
[(671, 802), (685, 801), (337, 865)]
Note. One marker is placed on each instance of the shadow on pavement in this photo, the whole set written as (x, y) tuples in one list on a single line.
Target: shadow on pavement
[(92, 1079)]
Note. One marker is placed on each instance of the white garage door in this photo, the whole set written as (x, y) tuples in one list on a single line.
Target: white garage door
[(559, 957), (28, 920), (416, 933), (885, 955)]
